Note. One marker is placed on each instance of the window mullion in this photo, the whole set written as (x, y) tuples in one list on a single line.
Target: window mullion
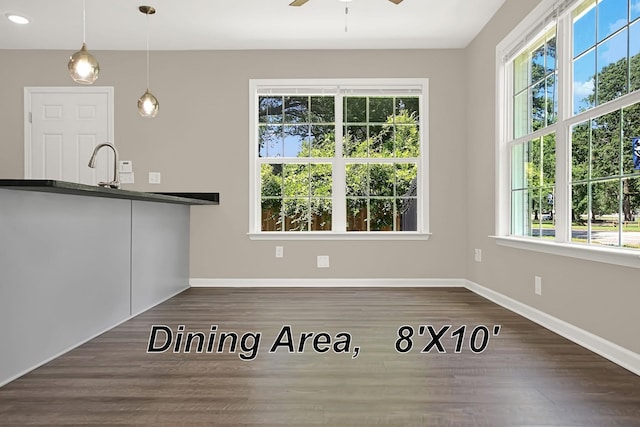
[(606, 108), (338, 174), (535, 135), (563, 190), (504, 131), (563, 142)]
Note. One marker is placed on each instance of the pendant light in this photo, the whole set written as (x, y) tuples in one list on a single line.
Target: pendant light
[(83, 67), (346, 14), (148, 105)]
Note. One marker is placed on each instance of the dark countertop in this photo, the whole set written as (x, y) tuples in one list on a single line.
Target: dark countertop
[(64, 187)]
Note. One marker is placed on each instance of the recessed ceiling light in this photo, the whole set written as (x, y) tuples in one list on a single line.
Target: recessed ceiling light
[(17, 19)]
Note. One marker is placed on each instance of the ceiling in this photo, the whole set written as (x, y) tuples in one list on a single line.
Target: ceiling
[(245, 24)]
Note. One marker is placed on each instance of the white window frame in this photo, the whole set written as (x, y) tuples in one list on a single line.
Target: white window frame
[(364, 87), (547, 13)]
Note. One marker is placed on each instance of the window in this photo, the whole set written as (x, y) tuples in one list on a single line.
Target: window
[(535, 108), (338, 159), (569, 127), (605, 179), (605, 51)]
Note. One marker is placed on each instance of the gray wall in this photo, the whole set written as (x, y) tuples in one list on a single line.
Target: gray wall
[(600, 298), (199, 142)]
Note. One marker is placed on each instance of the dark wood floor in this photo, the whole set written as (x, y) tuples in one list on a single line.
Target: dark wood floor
[(526, 376)]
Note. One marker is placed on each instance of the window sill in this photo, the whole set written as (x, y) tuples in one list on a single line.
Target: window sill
[(321, 235), (616, 256)]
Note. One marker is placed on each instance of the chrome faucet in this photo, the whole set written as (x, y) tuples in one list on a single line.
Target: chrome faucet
[(92, 164)]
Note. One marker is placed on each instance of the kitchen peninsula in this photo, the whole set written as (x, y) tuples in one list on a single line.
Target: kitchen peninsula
[(76, 260)]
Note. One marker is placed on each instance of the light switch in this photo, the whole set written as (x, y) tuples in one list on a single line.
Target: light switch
[(126, 166)]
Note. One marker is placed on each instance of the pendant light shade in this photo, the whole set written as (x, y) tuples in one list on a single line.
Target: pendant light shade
[(83, 67), (148, 104)]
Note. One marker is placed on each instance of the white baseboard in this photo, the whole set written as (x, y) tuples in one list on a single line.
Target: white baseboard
[(611, 351), (327, 283)]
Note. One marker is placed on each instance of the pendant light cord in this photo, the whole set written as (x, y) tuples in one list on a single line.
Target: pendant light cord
[(147, 50), (84, 21)]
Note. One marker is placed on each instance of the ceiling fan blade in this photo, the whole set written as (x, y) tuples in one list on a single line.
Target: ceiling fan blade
[(396, 1), (300, 2)]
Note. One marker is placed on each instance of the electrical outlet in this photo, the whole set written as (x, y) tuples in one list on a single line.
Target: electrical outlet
[(154, 177), (478, 255), (279, 252), (538, 285), (323, 261)]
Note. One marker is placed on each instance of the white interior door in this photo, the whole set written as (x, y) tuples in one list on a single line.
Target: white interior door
[(62, 127)]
